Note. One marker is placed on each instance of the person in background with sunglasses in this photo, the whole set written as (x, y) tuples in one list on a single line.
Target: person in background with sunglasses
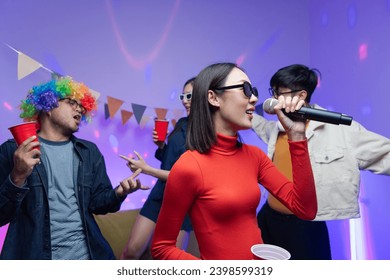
[(217, 180), (50, 189), (337, 152), (138, 244)]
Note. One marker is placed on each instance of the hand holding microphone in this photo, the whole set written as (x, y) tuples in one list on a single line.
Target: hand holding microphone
[(295, 128), (320, 115)]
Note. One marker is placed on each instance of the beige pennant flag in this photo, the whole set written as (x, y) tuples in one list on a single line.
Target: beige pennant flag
[(95, 93), (144, 120), (178, 113), (26, 65)]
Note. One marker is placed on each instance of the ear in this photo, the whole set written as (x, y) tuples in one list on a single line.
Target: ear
[(213, 98), (302, 95)]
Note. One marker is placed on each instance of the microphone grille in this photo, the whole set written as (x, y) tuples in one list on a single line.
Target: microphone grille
[(269, 104)]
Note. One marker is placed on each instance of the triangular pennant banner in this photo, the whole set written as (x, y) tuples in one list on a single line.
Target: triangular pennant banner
[(161, 113), (178, 113), (113, 105), (173, 122), (144, 121), (106, 113), (126, 115), (26, 65), (95, 93), (138, 111)]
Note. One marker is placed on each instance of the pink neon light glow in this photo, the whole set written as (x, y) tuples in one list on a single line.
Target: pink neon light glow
[(363, 51), (139, 63), (319, 82), (96, 133), (240, 60), (7, 106)]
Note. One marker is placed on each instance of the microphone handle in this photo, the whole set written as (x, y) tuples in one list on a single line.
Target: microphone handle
[(321, 116)]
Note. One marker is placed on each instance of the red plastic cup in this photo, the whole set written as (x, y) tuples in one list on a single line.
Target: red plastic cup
[(22, 131), (269, 252), (161, 126)]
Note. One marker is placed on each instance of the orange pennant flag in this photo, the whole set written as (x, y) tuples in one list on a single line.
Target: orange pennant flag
[(161, 113), (178, 113), (126, 115), (113, 105)]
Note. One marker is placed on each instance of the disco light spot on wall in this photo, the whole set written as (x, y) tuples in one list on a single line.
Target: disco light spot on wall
[(363, 51), (113, 143), (352, 16), (270, 41), (174, 95), (240, 60), (96, 133), (133, 61), (7, 106), (324, 19)]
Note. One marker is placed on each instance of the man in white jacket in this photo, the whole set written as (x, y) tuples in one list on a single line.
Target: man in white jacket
[(337, 154)]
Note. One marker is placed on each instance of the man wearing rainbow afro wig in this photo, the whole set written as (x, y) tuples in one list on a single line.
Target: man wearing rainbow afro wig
[(50, 188), (45, 97)]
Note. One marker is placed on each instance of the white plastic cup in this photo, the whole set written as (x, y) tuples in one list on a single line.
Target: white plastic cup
[(269, 252)]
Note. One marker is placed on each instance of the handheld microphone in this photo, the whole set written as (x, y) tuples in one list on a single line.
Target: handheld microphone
[(310, 113)]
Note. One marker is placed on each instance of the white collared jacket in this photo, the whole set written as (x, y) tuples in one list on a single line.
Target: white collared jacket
[(337, 154)]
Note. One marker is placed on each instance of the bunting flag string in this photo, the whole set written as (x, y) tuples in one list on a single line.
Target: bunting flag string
[(161, 113), (113, 105), (28, 65), (138, 111), (126, 115)]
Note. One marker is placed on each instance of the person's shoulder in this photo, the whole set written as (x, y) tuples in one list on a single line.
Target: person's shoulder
[(188, 164), (189, 158), (182, 121), (252, 149), (84, 143), (9, 143)]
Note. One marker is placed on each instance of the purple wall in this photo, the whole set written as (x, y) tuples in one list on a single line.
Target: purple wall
[(142, 55)]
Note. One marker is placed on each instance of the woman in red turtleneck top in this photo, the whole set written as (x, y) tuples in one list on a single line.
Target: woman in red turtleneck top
[(216, 180)]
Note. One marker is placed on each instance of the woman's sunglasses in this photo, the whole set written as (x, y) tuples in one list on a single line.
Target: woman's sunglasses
[(247, 87), (187, 95)]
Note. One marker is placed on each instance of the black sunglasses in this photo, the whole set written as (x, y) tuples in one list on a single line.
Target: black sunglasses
[(187, 95), (248, 89)]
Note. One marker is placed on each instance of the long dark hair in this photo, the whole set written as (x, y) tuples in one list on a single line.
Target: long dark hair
[(179, 124), (201, 135)]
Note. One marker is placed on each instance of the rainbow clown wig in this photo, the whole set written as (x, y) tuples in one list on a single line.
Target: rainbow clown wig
[(44, 98)]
